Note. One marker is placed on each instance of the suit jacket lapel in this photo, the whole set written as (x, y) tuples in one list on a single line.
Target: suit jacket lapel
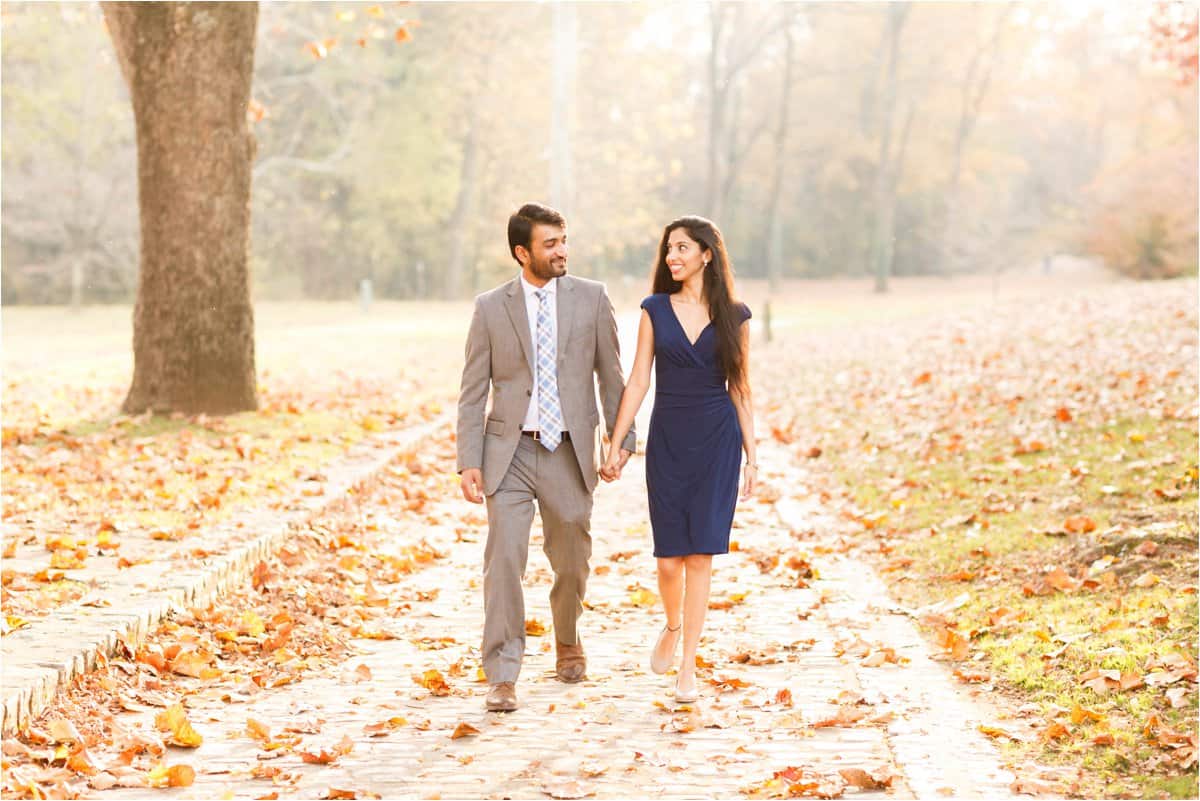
[(566, 309), (514, 304)]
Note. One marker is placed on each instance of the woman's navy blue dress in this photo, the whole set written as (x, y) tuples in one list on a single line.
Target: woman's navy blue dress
[(694, 447)]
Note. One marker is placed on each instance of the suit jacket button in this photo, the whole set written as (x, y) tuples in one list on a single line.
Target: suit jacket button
[(529, 392)]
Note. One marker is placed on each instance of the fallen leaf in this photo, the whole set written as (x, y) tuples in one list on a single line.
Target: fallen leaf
[(174, 721), (463, 730), (63, 731), (1079, 524), (434, 681), (385, 727), (173, 776), (857, 777)]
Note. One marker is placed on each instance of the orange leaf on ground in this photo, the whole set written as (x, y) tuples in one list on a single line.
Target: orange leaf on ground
[(1079, 714), (846, 716), (960, 575), (857, 777), (1101, 681), (727, 683), (67, 559), (956, 645), (1055, 731), (434, 681), (1060, 579), (385, 727), (642, 597), (173, 720), (321, 757), (1079, 524), (463, 730), (173, 776), (190, 663), (995, 732)]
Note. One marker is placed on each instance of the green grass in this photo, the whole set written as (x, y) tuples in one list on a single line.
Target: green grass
[(1126, 460)]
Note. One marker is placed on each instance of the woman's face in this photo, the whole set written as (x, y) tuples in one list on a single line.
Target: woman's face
[(685, 256)]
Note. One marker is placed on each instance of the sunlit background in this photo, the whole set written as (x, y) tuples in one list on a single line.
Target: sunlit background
[(826, 139)]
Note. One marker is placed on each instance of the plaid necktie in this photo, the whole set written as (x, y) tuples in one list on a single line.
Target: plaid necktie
[(550, 421)]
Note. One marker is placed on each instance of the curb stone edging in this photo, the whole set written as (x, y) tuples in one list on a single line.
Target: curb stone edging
[(32, 680)]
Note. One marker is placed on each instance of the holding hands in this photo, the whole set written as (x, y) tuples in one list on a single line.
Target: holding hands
[(615, 463)]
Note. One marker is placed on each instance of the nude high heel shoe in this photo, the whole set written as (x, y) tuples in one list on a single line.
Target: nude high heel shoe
[(663, 665)]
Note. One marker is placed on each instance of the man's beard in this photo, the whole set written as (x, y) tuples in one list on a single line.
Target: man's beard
[(546, 269)]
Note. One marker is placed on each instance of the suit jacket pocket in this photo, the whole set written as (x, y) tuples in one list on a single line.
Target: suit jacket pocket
[(494, 427)]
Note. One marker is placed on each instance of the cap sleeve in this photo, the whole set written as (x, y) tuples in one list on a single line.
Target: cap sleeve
[(746, 315), (647, 302)]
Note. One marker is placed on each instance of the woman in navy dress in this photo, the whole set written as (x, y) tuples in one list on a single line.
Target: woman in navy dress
[(694, 332)]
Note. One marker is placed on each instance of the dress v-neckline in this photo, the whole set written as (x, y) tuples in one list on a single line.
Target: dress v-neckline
[(682, 329)]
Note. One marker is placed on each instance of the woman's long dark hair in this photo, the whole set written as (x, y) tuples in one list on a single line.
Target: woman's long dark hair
[(723, 309)]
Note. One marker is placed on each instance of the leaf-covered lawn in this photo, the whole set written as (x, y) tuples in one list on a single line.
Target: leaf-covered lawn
[(1025, 476), (82, 482)]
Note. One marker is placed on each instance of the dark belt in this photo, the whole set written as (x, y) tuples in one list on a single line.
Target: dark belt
[(537, 435)]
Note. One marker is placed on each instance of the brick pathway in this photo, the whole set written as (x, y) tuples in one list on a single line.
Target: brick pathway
[(617, 734)]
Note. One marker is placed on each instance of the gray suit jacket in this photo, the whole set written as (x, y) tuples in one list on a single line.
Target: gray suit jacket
[(499, 356)]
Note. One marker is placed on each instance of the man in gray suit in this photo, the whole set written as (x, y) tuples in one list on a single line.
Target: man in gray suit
[(536, 342)]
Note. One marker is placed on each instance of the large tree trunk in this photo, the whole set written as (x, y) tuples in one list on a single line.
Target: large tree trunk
[(189, 67)]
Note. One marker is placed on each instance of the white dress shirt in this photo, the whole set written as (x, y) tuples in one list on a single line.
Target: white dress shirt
[(531, 311)]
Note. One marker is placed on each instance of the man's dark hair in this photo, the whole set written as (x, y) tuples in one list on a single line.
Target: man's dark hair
[(520, 225)]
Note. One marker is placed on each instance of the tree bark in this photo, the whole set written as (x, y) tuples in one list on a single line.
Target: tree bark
[(189, 67)]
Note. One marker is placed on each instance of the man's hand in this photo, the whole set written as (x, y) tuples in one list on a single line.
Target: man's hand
[(472, 484)]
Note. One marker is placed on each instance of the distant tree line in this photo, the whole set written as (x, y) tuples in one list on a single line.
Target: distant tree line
[(865, 140)]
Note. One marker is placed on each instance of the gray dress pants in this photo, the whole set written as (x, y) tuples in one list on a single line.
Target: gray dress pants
[(554, 481)]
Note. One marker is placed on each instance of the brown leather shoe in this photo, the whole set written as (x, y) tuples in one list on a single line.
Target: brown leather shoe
[(571, 665), (502, 697)]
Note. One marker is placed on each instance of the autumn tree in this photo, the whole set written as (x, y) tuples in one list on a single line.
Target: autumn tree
[(188, 67)]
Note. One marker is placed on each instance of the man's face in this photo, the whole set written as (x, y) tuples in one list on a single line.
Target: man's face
[(547, 251)]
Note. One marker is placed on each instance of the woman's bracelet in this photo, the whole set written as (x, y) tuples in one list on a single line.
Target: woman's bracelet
[(752, 464)]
